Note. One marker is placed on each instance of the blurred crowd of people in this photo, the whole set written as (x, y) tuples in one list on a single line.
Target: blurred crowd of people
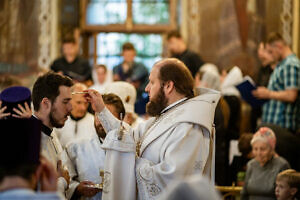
[(65, 161)]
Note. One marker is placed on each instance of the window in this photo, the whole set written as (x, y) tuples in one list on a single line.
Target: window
[(107, 24), (150, 12), (106, 12), (128, 15), (148, 48)]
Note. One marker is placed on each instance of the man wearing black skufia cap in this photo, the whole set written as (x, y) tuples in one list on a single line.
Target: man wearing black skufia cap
[(21, 168), (15, 102)]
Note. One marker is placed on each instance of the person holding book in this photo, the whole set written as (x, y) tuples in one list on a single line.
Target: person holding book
[(283, 106)]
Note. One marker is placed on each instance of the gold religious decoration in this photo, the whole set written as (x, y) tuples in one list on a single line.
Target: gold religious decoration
[(140, 141), (127, 99), (137, 148), (122, 129), (102, 179)]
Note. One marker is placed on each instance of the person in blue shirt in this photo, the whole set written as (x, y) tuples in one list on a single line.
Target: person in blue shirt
[(135, 73), (283, 106)]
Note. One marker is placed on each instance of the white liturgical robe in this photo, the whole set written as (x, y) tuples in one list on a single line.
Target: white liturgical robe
[(88, 158), (53, 151), (177, 144), (76, 129)]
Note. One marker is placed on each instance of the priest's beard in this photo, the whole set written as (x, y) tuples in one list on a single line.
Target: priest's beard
[(159, 102)]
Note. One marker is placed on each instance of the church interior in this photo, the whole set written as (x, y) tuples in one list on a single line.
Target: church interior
[(246, 50)]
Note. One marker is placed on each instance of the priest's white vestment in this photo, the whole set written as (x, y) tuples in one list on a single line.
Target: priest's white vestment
[(177, 144)]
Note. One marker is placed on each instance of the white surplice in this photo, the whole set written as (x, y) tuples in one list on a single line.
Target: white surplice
[(53, 151), (73, 130), (88, 158), (178, 144)]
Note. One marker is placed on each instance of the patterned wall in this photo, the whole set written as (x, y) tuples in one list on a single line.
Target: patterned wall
[(227, 32), (18, 33)]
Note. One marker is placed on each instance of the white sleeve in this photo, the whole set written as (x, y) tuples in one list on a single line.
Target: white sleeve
[(185, 152), (63, 188), (119, 167), (62, 185), (108, 121), (70, 189), (72, 172)]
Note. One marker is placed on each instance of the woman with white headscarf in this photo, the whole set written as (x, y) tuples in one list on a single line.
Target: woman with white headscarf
[(229, 79)]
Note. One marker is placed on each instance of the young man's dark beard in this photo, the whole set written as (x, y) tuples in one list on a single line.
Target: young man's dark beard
[(154, 107), (53, 121)]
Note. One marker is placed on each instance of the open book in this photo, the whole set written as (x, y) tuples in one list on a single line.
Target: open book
[(245, 88)]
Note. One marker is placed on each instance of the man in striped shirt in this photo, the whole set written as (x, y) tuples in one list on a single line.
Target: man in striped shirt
[(283, 106)]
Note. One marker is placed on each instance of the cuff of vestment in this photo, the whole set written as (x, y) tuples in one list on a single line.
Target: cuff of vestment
[(126, 144), (62, 185), (148, 186), (72, 187)]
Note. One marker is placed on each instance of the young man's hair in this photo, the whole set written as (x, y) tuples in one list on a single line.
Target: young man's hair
[(174, 70), (23, 170), (244, 144), (47, 86), (274, 37), (101, 66), (68, 39), (128, 46), (175, 34), (112, 99)]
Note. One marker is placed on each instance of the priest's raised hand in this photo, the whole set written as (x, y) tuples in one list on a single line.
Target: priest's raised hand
[(95, 98)]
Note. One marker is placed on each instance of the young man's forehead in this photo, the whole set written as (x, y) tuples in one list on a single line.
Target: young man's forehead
[(64, 91), (68, 44), (274, 44), (173, 39)]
